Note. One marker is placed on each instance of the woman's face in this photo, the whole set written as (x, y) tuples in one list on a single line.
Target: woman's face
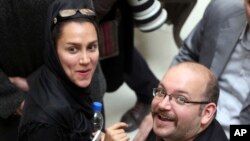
[(77, 49)]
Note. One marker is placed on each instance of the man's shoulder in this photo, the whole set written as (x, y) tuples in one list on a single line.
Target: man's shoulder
[(213, 132)]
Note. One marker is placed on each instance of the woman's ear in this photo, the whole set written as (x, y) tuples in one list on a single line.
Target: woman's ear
[(208, 113)]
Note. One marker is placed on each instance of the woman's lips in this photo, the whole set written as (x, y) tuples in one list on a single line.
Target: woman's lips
[(83, 73)]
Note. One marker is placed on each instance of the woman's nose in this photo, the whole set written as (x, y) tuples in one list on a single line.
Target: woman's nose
[(84, 58)]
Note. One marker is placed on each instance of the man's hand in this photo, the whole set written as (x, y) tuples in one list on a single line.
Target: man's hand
[(20, 83), (145, 128)]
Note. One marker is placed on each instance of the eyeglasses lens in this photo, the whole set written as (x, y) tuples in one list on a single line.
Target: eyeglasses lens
[(87, 12), (67, 13)]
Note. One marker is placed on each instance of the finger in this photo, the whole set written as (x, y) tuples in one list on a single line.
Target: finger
[(115, 131), (103, 137), (19, 111), (11, 79), (124, 138), (119, 125), (120, 137)]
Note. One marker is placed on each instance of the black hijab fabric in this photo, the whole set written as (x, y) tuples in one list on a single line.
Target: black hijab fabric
[(53, 99)]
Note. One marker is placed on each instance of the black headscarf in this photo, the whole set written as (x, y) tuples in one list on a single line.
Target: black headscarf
[(53, 99)]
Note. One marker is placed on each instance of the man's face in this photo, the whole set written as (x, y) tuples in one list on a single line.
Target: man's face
[(247, 8), (174, 121)]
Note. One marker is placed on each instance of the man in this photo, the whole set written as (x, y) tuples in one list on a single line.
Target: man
[(184, 105), (221, 41)]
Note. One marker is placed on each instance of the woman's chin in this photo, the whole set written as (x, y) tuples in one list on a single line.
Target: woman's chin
[(83, 83)]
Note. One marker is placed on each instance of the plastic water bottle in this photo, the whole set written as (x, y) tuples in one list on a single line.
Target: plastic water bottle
[(97, 118)]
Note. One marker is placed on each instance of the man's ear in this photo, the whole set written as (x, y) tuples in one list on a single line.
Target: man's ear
[(208, 113)]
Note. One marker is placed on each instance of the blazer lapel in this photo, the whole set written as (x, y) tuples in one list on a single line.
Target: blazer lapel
[(227, 39)]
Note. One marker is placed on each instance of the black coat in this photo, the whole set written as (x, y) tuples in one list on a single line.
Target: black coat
[(115, 68)]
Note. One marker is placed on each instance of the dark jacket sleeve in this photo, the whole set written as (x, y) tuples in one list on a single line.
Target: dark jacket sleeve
[(10, 96)]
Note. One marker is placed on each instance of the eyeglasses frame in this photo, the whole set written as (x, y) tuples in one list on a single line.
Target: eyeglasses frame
[(170, 97), (83, 11)]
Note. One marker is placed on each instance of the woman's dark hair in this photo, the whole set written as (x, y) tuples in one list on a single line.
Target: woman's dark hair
[(57, 29)]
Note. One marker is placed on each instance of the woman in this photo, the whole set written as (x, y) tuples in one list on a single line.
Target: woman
[(58, 105)]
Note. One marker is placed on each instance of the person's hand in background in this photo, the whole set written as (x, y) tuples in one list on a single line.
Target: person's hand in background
[(19, 110), (20, 83), (144, 129)]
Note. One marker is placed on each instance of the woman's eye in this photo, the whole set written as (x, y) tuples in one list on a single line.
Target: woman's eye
[(93, 47), (72, 49)]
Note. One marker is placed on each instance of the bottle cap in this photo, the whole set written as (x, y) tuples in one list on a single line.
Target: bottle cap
[(97, 106)]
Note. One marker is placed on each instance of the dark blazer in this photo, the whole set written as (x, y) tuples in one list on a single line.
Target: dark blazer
[(214, 38)]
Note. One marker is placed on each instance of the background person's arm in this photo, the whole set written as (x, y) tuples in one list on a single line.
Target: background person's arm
[(144, 129), (10, 96)]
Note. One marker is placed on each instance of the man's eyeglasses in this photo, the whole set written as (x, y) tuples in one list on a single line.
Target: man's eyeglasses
[(71, 12), (160, 93)]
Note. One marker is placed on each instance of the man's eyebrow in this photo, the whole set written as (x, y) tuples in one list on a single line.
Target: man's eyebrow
[(181, 92), (161, 85), (175, 91)]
